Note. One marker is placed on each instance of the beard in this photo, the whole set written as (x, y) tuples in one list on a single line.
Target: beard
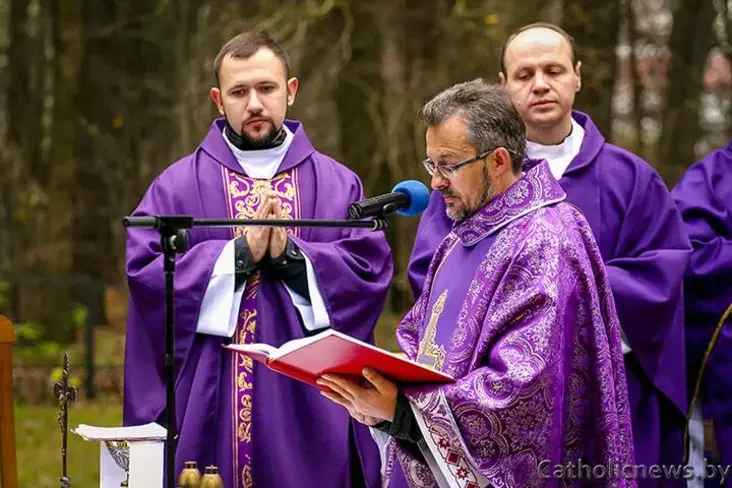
[(242, 140), (261, 141), (458, 214)]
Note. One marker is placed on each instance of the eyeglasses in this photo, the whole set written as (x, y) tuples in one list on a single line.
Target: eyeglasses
[(449, 171)]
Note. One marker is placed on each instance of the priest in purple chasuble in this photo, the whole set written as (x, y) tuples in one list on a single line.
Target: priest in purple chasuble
[(704, 197), (517, 307), (248, 285), (637, 227)]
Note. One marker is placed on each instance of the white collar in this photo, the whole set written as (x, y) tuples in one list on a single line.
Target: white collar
[(559, 155), (261, 164)]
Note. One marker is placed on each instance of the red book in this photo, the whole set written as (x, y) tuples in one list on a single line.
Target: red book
[(334, 352)]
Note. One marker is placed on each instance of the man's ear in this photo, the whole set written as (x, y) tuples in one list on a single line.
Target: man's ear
[(502, 161), (292, 85), (577, 71), (501, 78), (215, 95)]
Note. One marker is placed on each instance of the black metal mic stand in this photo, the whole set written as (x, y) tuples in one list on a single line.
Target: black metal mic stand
[(174, 240)]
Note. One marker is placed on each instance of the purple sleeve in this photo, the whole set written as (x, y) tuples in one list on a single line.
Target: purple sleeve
[(353, 272), (646, 276), (144, 388), (708, 222), (707, 214)]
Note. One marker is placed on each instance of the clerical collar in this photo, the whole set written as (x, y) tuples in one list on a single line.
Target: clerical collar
[(261, 164), (242, 143), (559, 156), (534, 189)]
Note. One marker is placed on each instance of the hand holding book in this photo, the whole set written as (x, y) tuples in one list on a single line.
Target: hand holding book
[(333, 352), (367, 405)]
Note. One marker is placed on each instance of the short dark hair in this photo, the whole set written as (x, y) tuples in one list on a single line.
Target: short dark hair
[(246, 45), (491, 117), (539, 25)]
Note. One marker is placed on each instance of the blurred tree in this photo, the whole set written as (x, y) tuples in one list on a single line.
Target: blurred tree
[(25, 82), (636, 86), (691, 39), (99, 97), (4, 48), (59, 149), (39, 155), (359, 92), (132, 74), (6, 200), (595, 29), (402, 66), (18, 153)]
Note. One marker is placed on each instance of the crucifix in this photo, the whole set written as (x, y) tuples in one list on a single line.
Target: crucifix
[(64, 394)]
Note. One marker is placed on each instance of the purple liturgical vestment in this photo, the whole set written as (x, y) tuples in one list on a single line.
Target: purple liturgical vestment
[(645, 249), (704, 197), (528, 327), (260, 428)]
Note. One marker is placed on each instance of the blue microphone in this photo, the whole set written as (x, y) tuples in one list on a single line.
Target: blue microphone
[(408, 198)]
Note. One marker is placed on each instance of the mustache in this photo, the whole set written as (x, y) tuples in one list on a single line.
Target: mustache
[(447, 193), (257, 117)]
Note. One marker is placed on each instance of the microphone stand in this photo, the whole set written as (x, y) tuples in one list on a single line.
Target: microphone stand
[(174, 240)]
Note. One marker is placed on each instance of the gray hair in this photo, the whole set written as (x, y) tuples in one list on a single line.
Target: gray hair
[(491, 117)]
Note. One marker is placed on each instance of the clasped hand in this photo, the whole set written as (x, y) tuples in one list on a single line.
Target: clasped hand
[(368, 405), (267, 239)]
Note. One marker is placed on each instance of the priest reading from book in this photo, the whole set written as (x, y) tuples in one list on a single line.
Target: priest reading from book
[(254, 284), (638, 229), (517, 308)]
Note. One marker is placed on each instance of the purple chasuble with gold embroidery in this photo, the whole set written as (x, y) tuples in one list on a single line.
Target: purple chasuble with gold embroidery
[(704, 197), (260, 428), (517, 306), (645, 249)]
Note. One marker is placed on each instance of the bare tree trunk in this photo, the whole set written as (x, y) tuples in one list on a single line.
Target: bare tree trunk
[(726, 45), (39, 157), (185, 68), (101, 153), (637, 115), (320, 44), (691, 39), (596, 32), (6, 203), (58, 151), (127, 64), (19, 89), (4, 54), (358, 94), (25, 195), (27, 69), (410, 73)]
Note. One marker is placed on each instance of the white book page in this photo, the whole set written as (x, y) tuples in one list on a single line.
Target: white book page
[(151, 431), (296, 344), (264, 349)]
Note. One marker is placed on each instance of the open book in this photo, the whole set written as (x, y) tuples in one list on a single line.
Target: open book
[(331, 351), (147, 432)]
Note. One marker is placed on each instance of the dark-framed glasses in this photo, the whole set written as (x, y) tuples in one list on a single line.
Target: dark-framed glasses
[(450, 170)]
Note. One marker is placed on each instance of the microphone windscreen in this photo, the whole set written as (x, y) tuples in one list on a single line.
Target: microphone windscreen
[(419, 197)]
